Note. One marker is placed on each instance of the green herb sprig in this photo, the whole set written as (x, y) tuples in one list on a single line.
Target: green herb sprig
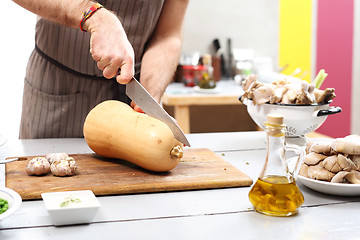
[(69, 200), (4, 205), (319, 79)]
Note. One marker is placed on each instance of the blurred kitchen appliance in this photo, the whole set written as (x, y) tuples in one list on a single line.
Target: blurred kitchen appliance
[(243, 60)]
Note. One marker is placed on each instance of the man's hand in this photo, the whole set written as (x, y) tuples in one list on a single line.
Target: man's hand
[(109, 46), (111, 49)]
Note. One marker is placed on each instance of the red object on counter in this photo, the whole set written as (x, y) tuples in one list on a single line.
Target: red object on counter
[(192, 74)]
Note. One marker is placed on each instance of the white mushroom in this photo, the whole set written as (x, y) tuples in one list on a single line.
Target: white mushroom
[(345, 163), (321, 147), (324, 96), (356, 160), (308, 146), (38, 166), (278, 94), (353, 177), (311, 92), (353, 137), (340, 177), (347, 177), (284, 91), (262, 94), (341, 163), (289, 97), (304, 170), (347, 145), (318, 172), (249, 83), (313, 158), (63, 168), (331, 164), (303, 96)]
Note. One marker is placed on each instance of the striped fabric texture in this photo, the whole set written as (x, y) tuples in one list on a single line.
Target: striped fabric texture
[(63, 83)]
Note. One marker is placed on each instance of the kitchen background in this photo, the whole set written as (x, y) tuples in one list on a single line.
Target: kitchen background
[(301, 34)]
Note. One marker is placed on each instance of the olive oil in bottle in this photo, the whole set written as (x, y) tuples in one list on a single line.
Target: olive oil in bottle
[(275, 192), (275, 195)]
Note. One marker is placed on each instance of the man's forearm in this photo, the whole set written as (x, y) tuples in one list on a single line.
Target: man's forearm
[(162, 54), (159, 65), (65, 12)]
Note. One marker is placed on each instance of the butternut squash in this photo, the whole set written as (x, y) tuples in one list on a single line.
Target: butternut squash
[(113, 129)]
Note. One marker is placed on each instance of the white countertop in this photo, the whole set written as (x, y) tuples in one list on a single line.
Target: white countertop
[(223, 87), (201, 214)]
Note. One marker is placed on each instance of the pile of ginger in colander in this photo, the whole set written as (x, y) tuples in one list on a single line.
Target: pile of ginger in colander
[(336, 162), (287, 92)]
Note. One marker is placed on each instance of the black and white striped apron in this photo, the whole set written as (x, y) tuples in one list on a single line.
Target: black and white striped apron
[(62, 82)]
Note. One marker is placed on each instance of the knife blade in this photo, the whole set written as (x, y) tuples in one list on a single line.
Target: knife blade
[(136, 92)]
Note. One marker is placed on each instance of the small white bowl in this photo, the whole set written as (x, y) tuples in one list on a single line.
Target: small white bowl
[(299, 119), (14, 201), (71, 207)]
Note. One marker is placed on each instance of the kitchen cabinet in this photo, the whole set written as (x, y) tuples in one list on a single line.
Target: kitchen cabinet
[(217, 110)]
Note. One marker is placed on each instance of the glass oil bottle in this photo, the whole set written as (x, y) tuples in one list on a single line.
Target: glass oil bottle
[(275, 192), (207, 80)]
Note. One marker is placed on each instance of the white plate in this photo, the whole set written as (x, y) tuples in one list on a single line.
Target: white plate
[(210, 90), (340, 189), (14, 200)]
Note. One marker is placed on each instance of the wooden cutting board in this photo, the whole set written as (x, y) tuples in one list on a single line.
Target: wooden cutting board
[(199, 169)]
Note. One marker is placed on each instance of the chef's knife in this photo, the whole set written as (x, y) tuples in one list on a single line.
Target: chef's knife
[(151, 107)]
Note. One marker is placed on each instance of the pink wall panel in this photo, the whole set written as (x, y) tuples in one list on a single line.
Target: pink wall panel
[(334, 54)]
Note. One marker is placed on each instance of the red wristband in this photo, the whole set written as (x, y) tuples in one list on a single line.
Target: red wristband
[(88, 14)]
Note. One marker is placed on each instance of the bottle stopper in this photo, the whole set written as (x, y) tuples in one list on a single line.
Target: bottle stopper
[(275, 125), (275, 119)]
